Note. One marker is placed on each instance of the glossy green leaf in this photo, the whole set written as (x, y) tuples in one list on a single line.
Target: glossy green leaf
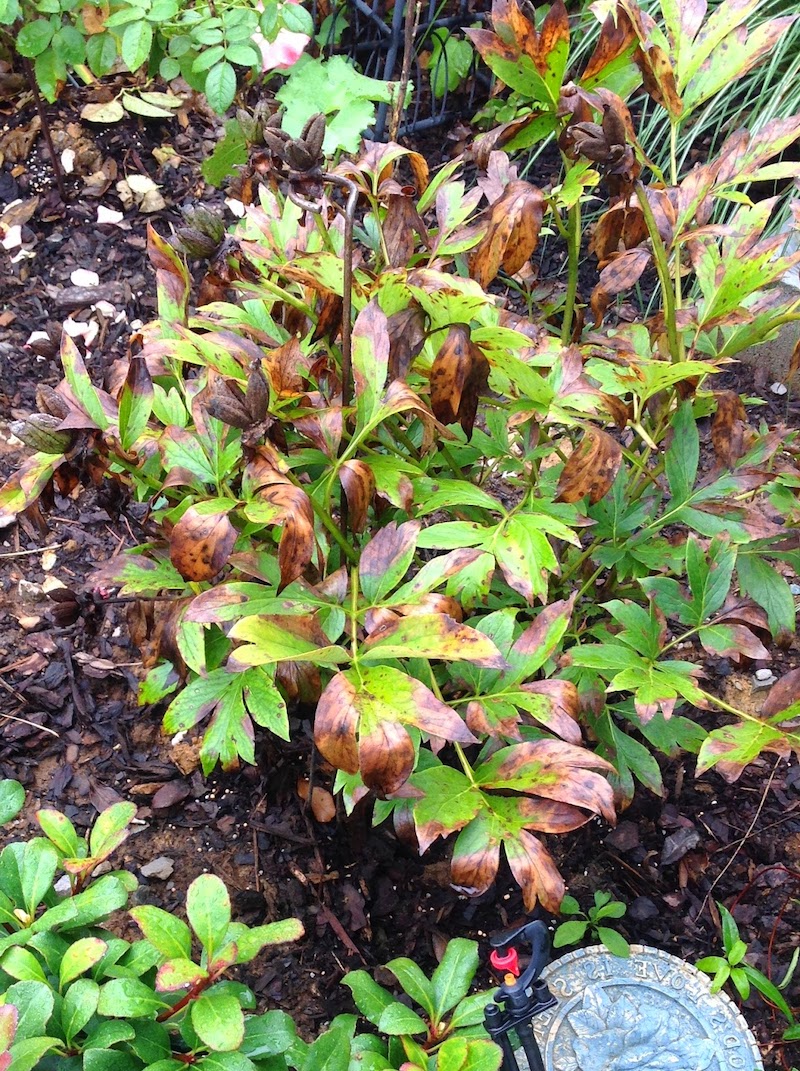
[(208, 908), (12, 800), (218, 1020), (167, 933)]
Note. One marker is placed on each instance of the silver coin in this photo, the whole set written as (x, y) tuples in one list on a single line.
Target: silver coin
[(651, 1012)]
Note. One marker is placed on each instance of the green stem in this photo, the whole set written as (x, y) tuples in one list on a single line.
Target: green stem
[(573, 252), (331, 527), (664, 277)]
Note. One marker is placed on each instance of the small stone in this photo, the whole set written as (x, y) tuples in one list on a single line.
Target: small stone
[(795, 589), (779, 388), (63, 886), (161, 868), (763, 682)]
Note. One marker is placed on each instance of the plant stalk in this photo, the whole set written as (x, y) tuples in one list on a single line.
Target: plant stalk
[(573, 257), (58, 171)]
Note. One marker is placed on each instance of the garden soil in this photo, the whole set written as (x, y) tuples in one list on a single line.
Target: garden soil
[(73, 734)]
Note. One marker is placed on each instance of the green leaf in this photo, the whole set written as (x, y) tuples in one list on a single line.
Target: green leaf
[(250, 940), (683, 456), (35, 1002), (80, 384), (136, 44), (49, 70), (220, 87), (197, 699), (471, 1010), (614, 942), (111, 828), (58, 828), (79, 958), (414, 982), (266, 704), (128, 998), (22, 965), (168, 934), (219, 1021), (453, 977), (34, 37), (12, 800), (569, 933), (69, 45), (101, 54), (229, 153), (371, 999), (274, 641), (398, 1019), (268, 1035), (37, 871), (25, 1055), (765, 585), (208, 908), (25, 485), (78, 1007)]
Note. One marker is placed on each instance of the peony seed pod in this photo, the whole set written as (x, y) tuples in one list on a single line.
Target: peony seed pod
[(257, 395), (50, 401)]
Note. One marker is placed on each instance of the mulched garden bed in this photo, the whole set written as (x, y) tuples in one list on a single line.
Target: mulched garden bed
[(73, 734)]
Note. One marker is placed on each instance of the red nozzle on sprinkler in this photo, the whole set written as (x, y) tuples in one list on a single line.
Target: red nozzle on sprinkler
[(505, 961)]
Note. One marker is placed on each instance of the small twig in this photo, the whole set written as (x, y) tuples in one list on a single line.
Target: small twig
[(741, 842), (36, 550), (37, 97), (411, 26)]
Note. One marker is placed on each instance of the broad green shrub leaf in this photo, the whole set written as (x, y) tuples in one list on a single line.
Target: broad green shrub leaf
[(37, 871), (80, 1004), (398, 1019), (219, 1021), (58, 828), (614, 942), (110, 829), (765, 585), (208, 907), (35, 1002), (22, 965), (268, 1035), (371, 999), (414, 982), (79, 958), (152, 1042), (128, 998), (453, 977), (25, 1055), (250, 940), (49, 69), (12, 800), (166, 933), (178, 974)]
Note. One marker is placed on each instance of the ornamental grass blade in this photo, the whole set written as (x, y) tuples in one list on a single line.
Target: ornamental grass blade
[(201, 543), (591, 468)]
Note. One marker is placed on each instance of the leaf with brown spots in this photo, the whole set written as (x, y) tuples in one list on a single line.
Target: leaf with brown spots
[(361, 718), (591, 468), (431, 636), (621, 273), (359, 487), (401, 224), (729, 428), (512, 233), (783, 695), (201, 542), (534, 871), (295, 515), (476, 856), (458, 377), (385, 560), (616, 38)]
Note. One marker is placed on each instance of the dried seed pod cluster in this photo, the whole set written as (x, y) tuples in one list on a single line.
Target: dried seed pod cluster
[(302, 154), (201, 234), (240, 408)]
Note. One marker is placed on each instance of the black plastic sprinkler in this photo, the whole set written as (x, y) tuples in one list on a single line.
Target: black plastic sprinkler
[(521, 996)]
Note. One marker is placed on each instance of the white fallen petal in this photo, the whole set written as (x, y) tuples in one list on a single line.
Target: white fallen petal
[(84, 277), (105, 308), (68, 161), (141, 184), (37, 336), (235, 206), (76, 328)]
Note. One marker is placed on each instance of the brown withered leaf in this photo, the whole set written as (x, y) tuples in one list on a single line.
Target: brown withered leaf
[(782, 694), (591, 468), (553, 33), (729, 428), (616, 36), (359, 487), (322, 803), (512, 26), (621, 227), (564, 702), (621, 273), (200, 543), (406, 339), (390, 550), (296, 515), (402, 222), (534, 871), (458, 376), (361, 718), (512, 233), (476, 858), (432, 636)]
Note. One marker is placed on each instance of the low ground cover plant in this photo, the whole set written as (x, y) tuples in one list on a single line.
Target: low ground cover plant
[(478, 548), (77, 996)]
